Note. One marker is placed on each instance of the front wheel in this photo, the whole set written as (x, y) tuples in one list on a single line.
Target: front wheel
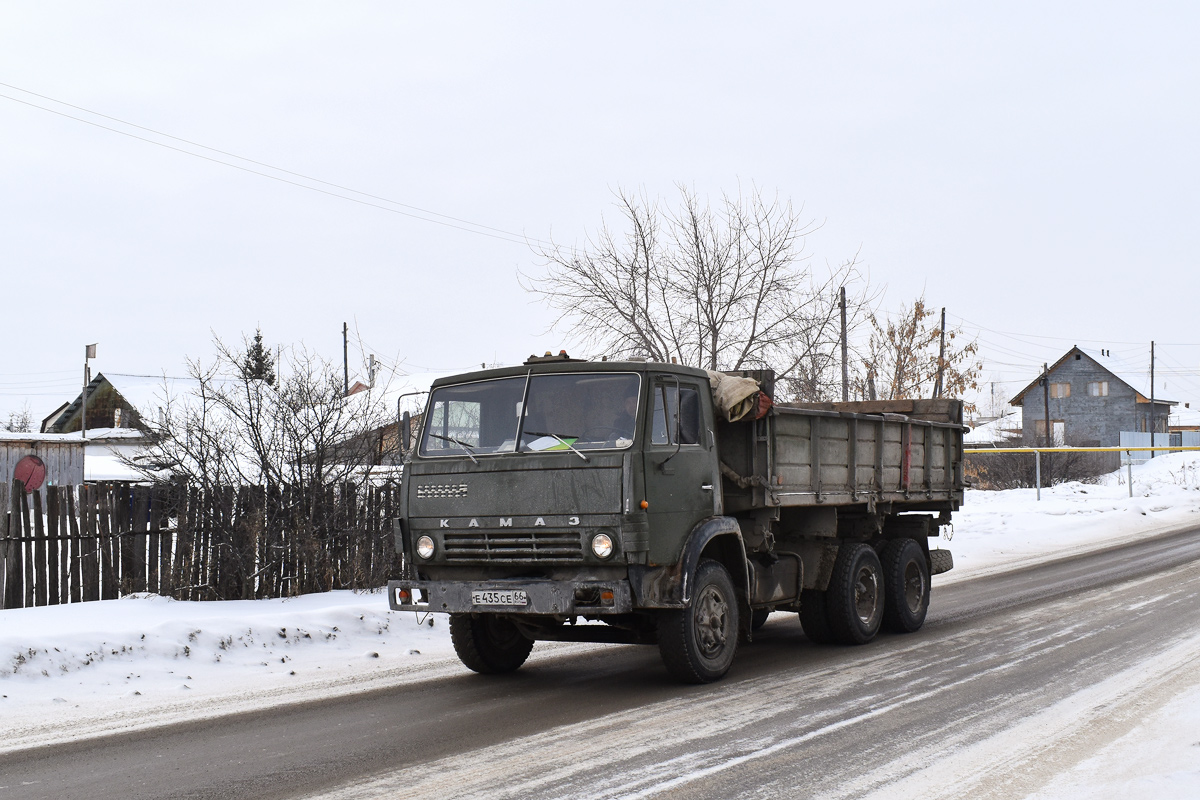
[(697, 643), (488, 644), (855, 596), (906, 582)]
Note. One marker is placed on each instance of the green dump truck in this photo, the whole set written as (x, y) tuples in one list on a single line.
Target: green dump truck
[(638, 502)]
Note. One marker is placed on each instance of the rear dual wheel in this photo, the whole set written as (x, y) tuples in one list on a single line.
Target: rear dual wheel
[(906, 576), (868, 591), (855, 597), (814, 617)]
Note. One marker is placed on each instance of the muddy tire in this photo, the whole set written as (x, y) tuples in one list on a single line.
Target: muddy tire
[(759, 618), (487, 644), (855, 596), (697, 643), (906, 582), (814, 617)]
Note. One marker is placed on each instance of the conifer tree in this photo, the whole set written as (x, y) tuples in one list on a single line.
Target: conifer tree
[(258, 362)]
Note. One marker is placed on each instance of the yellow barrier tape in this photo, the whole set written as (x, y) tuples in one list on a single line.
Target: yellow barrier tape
[(1075, 449)]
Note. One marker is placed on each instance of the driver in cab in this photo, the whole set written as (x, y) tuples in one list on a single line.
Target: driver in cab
[(624, 424)]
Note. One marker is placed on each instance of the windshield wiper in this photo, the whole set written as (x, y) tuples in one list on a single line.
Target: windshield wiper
[(561, 440), (460, 443)]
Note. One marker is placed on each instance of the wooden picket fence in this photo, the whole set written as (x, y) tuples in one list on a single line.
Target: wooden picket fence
[(71, 544)]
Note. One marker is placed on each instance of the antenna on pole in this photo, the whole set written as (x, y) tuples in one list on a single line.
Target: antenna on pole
[(89, 352), (345, 359)]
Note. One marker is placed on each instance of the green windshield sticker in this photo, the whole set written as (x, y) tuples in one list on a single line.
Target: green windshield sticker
[(552, 443)]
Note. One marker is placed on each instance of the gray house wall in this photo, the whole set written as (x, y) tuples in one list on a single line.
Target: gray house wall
[(1089, 421)]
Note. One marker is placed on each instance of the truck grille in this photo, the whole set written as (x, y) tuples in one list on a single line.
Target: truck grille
[(513, 546)]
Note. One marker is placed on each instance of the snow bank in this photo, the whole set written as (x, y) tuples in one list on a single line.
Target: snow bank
[(146, 659), (998, 531)]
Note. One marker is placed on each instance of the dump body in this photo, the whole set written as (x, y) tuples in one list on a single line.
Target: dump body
[(559, 490), (804, 456)]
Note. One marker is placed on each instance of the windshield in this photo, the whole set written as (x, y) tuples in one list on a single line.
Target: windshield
[(575, 411), (583, 411)]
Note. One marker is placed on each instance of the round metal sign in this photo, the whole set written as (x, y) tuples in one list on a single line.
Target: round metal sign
[(30, 471)]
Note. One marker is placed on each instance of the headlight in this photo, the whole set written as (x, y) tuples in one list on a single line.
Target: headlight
[(602, 545), (425, 547)]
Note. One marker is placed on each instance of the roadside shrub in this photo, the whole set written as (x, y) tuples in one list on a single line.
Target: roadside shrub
[(995, 471)]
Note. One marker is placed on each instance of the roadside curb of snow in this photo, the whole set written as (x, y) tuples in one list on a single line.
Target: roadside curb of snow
[(124, 716), (960, 574)]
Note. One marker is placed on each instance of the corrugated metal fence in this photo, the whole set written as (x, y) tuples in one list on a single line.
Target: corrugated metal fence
[(1140, 439), (69, 544)]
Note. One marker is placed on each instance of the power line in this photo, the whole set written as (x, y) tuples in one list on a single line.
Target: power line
[(52, 372), (1021, 336), (479, 229)]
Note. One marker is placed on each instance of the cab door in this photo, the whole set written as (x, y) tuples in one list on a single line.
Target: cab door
[(680, 463)]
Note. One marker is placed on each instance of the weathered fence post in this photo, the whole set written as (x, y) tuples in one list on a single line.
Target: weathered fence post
[(53, 543), (41, 596), (27, 547), (12, 580)]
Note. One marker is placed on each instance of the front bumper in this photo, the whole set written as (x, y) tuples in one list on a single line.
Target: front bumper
[(570, 598)]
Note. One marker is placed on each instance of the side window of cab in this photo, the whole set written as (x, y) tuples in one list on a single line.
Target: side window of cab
[(663, 419)]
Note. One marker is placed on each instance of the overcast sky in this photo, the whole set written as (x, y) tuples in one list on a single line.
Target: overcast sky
[(1034, 169)]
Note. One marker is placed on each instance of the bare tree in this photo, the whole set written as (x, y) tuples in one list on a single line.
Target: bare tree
[(231, 428), (20, 421), (901, 360), (726, 288), (289, 446)]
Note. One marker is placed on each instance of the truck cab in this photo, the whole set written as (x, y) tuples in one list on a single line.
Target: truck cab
[(586, 501)]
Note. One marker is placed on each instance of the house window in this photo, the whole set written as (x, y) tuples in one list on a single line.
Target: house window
[(1060, 390), (1098, 389), (1059, 428)]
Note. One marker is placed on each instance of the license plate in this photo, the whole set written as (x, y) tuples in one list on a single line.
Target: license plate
[(513, 597)]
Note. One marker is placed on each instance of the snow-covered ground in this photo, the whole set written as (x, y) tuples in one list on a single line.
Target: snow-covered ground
[(68, 672), (997, 531)]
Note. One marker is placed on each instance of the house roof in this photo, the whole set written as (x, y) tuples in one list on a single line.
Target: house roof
[(1185, 418), (144, 393), (1140, 384)]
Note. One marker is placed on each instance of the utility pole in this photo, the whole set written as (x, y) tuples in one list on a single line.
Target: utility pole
[(371, 371), (845, 350), (1046, 400), (346, 358), (937, 390), (1152, 452)]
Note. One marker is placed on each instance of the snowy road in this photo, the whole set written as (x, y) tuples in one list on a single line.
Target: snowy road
[(1015, 678)]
